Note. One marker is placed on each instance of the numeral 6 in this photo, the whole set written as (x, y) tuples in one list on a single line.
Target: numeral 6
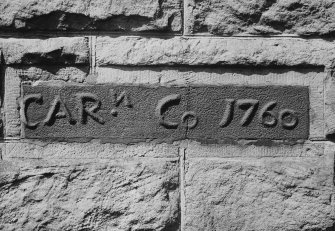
[(266, 116)]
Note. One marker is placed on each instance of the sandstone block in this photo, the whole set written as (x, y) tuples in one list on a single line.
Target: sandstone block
[(265, 193), (67, 187), (52, 51), (250, 149), (214, 51), (260, 17), (79, 15), (86, 151), (77, 74)]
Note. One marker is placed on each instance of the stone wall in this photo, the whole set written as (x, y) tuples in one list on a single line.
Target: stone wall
[(146, 174)]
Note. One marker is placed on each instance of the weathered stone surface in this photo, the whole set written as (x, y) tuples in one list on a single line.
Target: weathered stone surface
[(313, 78), (120, 112), (77, 74), (268, 193), (12, 124), (69, 15), (301, 17), (248, 149), (214, 51), (74, 193), (2, 95), (13, 79), (330, 105), (52, 51), (244, 112), (89, 150)]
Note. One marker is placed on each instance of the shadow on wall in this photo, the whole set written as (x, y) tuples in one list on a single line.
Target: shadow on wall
[(226, 69), (2, 92), (60, 21)]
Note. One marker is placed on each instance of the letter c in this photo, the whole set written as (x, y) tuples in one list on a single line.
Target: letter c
[(163, 105), (24, 103)]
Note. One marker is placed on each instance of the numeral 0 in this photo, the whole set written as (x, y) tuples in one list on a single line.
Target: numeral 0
[(288, 118)]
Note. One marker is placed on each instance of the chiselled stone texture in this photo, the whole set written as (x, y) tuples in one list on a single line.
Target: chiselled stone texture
[(330, 105), (12, 126), (52, 51), (89, 186), (15, 75), (76, 74), (214, 51), (2, 96), (121, 112), (271, 192), (261, 17), (241, 112), (78, 15)]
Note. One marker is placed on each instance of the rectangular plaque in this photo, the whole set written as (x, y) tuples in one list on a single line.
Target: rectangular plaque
[(136, 113)]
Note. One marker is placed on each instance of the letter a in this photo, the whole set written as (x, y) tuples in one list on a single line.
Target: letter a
[(56, 113)]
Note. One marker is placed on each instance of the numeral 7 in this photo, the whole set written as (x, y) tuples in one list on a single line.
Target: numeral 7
[(249, 105)]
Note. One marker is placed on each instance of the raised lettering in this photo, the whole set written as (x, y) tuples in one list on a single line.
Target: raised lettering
[(251, 106), (163, 105), (186, 117), (138, 113), (123, 97), (24, 104), (288, 118), (228, 114), (84, 110), (55, 112), (266, 116)]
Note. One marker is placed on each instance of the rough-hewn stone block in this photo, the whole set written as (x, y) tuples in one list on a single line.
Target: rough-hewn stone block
[(214, 51), (261, 17), (264, 193), (77, 74), (248, 149), (78, 15), (52, 51), (89, 150), (68, 187)]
